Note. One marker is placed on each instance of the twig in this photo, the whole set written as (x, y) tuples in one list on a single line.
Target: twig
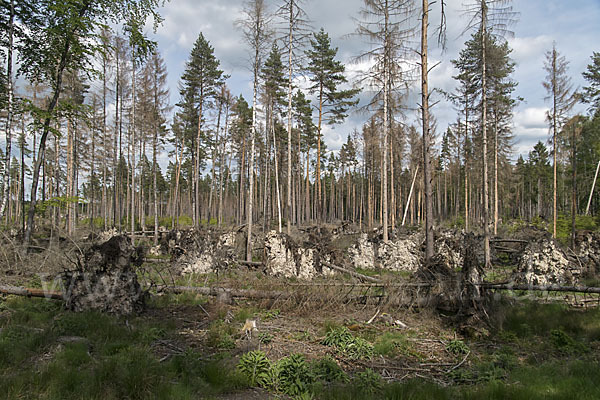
[(373, 317), (460, 363)]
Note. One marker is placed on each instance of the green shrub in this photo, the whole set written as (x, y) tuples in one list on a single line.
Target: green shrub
[(565, 343), (257, 368), (327, 369), (352, 347), (265, 338), (219, 336), (369, 381), (457, 347), (293, 375)]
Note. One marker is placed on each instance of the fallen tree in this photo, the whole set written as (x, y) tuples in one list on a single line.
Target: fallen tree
[(30, 292)]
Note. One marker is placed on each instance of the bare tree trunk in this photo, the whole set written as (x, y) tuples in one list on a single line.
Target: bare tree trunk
[(276, 178), (496, 173), (386, 66), (132, 145), (318, 172), (555, 145), (485, 207), (574, 190), (429, 250), (289, 117), (587, 208), (8, 127), (251, 165), (105, 147)]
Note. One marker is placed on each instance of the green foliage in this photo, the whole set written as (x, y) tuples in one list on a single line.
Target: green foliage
[(293, 375), (326, 74), (113, 361), (390, 344), (337, 336), (565, 343), (369, 381), (257, 368), (271, 314), (457, 347), (61, 202), (327, 370), (350, 346), (220, 336), (531, 318), (265, 337)]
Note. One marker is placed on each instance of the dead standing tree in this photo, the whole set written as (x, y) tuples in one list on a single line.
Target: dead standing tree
[(489, 17), (560, 92), (256, 31), (296, 27), (385, 26)]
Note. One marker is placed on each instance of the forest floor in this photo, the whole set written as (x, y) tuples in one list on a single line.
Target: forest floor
[(187, 346)]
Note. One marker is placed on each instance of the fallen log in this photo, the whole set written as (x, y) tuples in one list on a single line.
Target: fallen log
[(30, 292), (506, 249), (540, 288), (250, 263), (509, 240), (351, 273), (220, 291), (156, 260)]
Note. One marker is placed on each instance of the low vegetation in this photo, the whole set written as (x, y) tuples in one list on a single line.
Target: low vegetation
[(49, 353)]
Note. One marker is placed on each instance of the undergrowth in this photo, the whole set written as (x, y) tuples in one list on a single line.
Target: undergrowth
[(539, 351)]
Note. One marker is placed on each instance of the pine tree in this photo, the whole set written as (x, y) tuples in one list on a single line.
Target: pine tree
[(327, 74), (591, 93), (199, 86)]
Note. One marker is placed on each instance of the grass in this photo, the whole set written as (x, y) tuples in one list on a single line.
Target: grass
[(542, 351), (114, 360)]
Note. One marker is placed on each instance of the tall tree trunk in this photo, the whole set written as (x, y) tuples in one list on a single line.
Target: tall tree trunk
[(105, 147), (384, 171), (429, 250), (8, 127), (496, 172), (132, 143), (485, 207), (276, 178), (251, 164), (555, 144), (92, 169), (574, 190), (318, 172), (289, 118)]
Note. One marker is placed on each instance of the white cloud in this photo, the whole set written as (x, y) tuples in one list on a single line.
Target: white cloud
[(531, 118), (529, 48)]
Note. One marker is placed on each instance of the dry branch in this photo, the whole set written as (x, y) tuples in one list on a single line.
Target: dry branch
[(216, 291), (351, 273)]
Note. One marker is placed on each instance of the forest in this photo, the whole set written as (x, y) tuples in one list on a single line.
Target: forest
[(142, 224)]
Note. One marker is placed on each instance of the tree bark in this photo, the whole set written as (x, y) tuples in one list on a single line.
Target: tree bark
[(429, 250), (485, 207)]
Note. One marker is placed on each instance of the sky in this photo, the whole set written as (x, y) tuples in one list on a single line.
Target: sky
[(571, 24)]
